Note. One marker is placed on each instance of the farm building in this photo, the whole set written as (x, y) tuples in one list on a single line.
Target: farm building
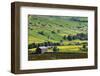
[(41, 50)]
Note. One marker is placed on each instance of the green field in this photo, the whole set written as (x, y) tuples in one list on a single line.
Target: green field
[(66, 34), (63, 49)]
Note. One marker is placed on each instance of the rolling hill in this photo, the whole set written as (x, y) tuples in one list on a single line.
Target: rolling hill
[(53, 28)]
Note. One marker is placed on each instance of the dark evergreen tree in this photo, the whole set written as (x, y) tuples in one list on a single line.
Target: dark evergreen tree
[(70, 38)]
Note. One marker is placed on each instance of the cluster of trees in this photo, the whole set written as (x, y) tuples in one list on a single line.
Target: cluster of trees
[(80, 36), (35, 45), (84, 48)]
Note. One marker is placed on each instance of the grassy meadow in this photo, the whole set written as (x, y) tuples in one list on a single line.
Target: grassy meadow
[(65, 37)]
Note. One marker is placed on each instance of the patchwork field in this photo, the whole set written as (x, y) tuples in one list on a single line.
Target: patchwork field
[(65, 36)]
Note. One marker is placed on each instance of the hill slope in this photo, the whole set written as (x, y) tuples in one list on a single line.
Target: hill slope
[(54, 28)]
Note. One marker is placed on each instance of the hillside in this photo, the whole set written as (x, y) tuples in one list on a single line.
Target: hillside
[(54, 28)]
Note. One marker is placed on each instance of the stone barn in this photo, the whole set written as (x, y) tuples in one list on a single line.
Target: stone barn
[(41, 50)]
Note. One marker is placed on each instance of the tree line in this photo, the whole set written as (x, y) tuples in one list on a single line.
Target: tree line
[(35, 45), (80, 36)]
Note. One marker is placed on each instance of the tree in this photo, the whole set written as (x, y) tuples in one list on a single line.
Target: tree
[(70, 38), (53, 32), (30, 46), (64, 37), (55, 49), (82, 36), (84, 48), (74, 37), (41, 32)]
